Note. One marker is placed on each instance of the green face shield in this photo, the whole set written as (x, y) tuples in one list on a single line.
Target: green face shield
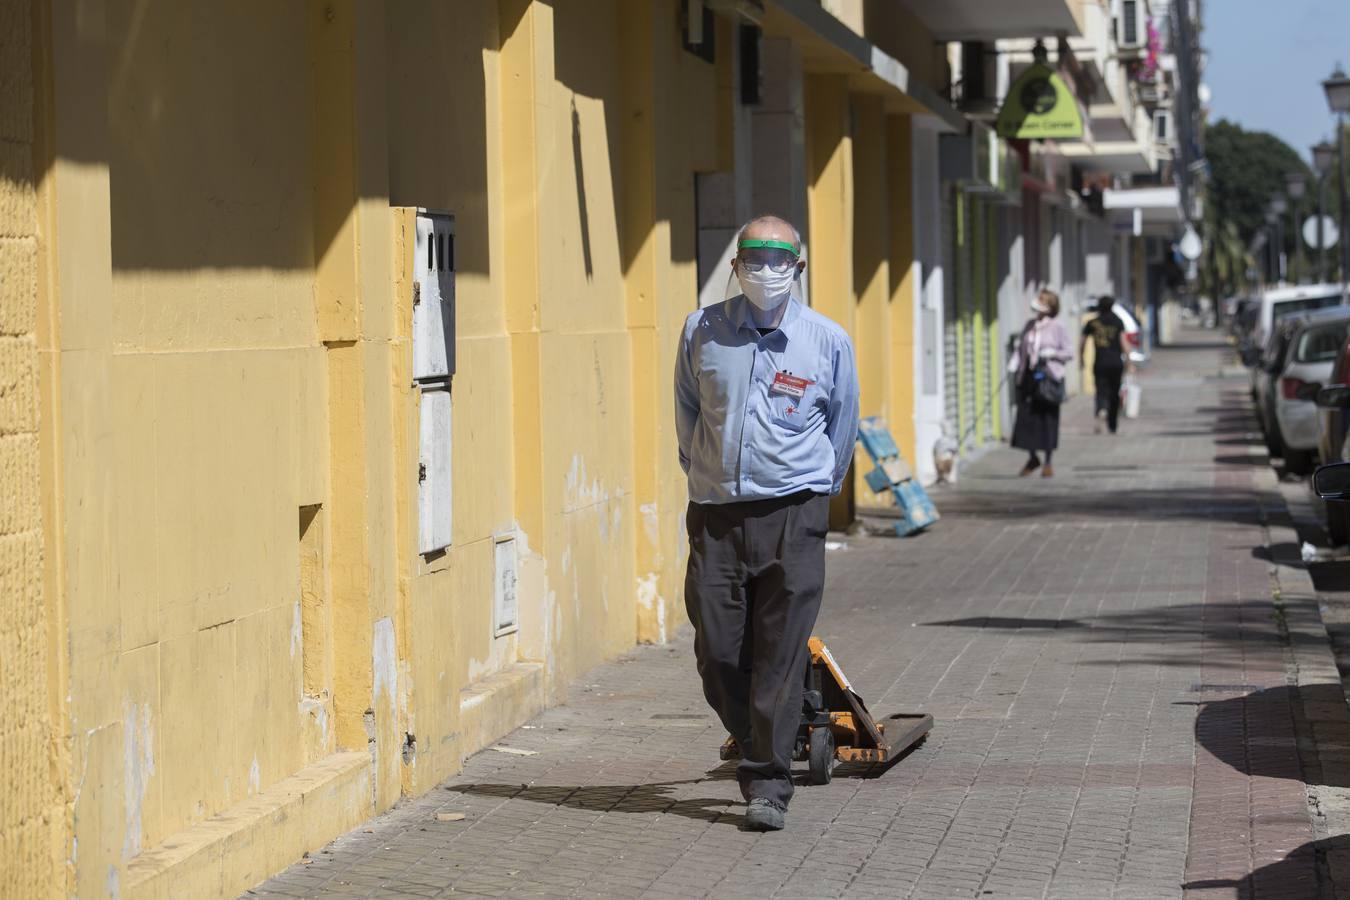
[(754, 256)]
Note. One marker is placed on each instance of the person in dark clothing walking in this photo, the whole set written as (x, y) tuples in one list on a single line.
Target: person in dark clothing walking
[(1108, 368)]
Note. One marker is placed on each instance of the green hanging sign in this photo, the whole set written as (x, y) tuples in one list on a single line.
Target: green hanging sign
[(1040, 105)]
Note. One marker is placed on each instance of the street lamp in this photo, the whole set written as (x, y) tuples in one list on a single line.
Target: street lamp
[(1337, 89), (1273, 242), (1296, 184), (1323, 157)]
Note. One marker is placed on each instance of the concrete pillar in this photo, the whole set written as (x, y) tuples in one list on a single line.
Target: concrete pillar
[(872, 168), (929, 229), (76, 338), (829, 156), (778, 173), (353, 228), (904, 283)]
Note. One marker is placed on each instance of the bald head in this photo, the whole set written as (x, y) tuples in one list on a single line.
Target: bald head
[(770, 228)]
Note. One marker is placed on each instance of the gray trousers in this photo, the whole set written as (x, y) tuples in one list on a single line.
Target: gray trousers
[(753, 587)]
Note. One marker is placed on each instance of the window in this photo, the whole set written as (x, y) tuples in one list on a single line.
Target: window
[(1321, 344)]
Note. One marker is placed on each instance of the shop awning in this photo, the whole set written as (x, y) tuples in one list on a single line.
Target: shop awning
[(1130, 157), (1144, 210), (828, 45), (981, 20)]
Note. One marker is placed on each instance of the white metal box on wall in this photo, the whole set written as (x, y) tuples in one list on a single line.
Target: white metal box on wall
[(433, 325), (433, 352), (505, 609), (434, 493)]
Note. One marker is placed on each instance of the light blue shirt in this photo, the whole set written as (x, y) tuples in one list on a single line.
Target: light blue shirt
[(742, 439)]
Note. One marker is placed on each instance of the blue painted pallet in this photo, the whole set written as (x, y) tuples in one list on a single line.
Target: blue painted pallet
[(893, 474)]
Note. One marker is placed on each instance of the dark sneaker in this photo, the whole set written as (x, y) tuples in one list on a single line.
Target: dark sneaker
[(764, 815)]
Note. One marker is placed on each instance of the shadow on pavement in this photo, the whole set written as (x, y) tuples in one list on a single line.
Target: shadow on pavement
[(633, 798), (1161, 504), (1242, 459), (1295, 876), (1236, 626), (1257, 733)]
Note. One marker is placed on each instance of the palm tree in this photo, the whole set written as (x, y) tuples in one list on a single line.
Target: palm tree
[(1224, 268)]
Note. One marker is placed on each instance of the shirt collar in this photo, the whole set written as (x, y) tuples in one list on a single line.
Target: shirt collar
[(738, 313)]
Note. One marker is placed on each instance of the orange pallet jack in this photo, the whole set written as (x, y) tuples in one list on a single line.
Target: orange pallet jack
[(836, 726)]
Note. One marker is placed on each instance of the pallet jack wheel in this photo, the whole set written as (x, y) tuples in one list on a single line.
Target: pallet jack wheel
[(822, 754)]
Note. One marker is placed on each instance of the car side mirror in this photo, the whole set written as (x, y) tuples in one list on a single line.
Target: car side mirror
[(1335, 396), (1308, 390), (1332, 482)]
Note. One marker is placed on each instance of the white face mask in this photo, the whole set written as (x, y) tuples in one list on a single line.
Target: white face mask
[(767, 290)]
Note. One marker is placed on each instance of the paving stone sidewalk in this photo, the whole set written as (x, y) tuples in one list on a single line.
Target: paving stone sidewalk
[(1118, 701)]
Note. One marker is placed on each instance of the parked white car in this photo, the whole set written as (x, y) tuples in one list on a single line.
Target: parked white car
[(1278, 303), (1298, 363)]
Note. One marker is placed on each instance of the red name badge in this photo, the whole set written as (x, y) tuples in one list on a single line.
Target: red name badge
[(783, 383)]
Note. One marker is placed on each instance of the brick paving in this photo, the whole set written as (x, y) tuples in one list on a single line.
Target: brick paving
[(1117, 694)]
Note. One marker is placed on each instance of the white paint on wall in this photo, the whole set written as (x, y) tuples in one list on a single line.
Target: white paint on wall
[(649, 597), (139, 764), (384, 660)]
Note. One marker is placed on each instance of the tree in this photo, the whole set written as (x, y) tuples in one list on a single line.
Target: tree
[(1246, 169)]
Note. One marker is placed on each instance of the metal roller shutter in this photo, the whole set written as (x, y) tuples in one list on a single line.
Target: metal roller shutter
[(949, 310)]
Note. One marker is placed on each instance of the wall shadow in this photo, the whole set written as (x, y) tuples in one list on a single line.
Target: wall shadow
[(201, 172), (437, 97)]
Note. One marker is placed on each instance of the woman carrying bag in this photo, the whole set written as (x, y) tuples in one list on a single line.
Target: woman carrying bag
[(1038, 371)]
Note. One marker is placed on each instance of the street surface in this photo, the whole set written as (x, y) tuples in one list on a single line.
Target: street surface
[(1133, 690)]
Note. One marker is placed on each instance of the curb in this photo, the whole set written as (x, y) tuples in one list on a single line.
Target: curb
[(1310, 663)]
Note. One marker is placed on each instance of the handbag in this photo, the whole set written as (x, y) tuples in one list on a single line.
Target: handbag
[(1048, 389)]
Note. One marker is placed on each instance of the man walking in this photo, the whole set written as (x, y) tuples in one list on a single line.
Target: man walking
[(766, 411), (1108, 366)]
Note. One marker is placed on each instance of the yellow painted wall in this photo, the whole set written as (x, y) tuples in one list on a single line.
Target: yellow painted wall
[(674, 109), (213, 348), (864, 171), (32, 818), (871, 277), (227, 463)]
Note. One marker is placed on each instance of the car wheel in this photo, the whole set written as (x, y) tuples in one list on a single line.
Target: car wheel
[(1298, 462), (1338, 523), (1274, 440)]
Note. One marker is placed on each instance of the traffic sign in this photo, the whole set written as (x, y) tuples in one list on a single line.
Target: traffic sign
[(1329, 232)]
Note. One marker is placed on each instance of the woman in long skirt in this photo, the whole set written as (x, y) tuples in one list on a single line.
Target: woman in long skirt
[(1042, 351)]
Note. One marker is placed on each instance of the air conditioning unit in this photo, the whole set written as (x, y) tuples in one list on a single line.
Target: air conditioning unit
[(981, 163), (1162, 126), (1131, 32)]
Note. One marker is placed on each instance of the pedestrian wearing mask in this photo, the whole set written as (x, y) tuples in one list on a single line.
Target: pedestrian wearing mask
[(1108, 364), (766, 413), (1038, 371)]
